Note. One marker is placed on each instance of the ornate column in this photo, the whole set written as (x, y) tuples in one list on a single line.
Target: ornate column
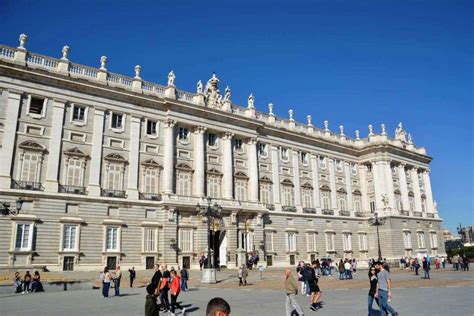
[(363, 188), (315, 175), (96, 153), (347, 173), (276, 177), (253, 169), (227, 166), (403, 187), (416, 188), (168, 155), (428, 192), (199, 176), (52, 172), (388, 179), (134, 157), (379, 185), (332, 183), (7, 149), (296, 178)]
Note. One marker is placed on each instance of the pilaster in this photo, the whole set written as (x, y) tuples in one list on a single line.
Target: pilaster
[(388, 179), (428, 192), (168, 155), (7, 149), (315, 175), (276, 176), (416, 188), (134, 156), (96, 153), (199, 176), (363, 188), (296, 179), (227, 164), (253, 169), (52, 173), (347, 173), (379, 186), (332, 183), (403, 187)]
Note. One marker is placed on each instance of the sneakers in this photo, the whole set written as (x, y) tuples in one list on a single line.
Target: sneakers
[(312, 308), (183, 311)]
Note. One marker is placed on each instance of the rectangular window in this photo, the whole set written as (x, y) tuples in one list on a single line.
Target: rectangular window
[(111, 242), (263, 150), (291, 242), (78, 113), (117, 121), (304, 158), (363, 246), (284, 154), (151, 180), (241, 190), (311, 238), (372, 206), (24, 233), (288, 197), (36, 106), (151, 127), (353, 169), (212, 140), (269, 242), (411, 200), (150, 239), (307, 198), (186, 240), (339, 166), (266, 193), (421, 240), (357, 205), (214, 186), (29, 170), (322, 162), (407, 240), (183, 133), (69, 241), (237, 144), (114, 180), (74, 173), (183, 185), (434, 240), (326, 199), (330, 242), (347, 242)]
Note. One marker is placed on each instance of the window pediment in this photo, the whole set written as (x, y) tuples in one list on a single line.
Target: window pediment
[(240, 175), (324, 188), (356, 192), (342, 190), (287, 182), (397, 191), (75, 152), (30, 145), (266, 179), (184, 167), (115, 157), (411, 194), (214, 172), (307, 185), (151, 163)]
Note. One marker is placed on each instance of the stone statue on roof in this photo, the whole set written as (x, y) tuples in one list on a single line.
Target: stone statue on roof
[(400, 133), (227, 94), (199, 87), (251, 101), (212, 95), (171, 78)]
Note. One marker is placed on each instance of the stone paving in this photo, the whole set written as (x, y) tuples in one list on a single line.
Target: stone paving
[(446, 293)]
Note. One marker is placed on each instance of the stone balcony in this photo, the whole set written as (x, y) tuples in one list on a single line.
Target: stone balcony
[(72, 189), (309, 210), (289, 209), (327, 212), (417, 214), (150, 196), (404, 213), (27, 185), (359, 214), (430, 215), (113, 193), (270, 207), (344, 213)]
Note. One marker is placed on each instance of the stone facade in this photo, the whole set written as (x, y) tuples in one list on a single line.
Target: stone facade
[(111, 169)]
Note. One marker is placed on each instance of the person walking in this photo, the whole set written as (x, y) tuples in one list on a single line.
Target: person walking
[(342, 270), (384, 290), (184, 279), (315, 292), (373, 288), (240, 275), (245, 274), (426, 268), (417, 267), (443, 262), (106, 282), (117, 279), (465, 263), (291, 289), (354, 266), (175, 288), (132, 275), (300, 272), (164, 290), (26, 282)]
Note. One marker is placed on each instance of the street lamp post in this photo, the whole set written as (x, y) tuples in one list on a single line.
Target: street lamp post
[(5, 209), (377, 221), (210, 212)]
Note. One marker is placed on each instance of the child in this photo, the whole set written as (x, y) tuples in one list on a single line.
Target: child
[(151, 309)]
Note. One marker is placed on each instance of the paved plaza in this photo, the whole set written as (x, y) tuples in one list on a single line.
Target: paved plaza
[(447, 293)]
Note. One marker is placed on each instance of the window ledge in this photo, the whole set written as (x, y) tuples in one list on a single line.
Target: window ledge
[(69, 252), (77, 123), (36, 116), (75, 220), (151, 224), (25, 217), (21, 252), (151, 136), (117, 130)]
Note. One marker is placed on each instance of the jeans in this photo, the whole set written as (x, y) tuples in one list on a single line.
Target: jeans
[(383, 301), (427, 273), (164, 298), (349, 274), (117, 287), (371, 301), (105, 289), (26, 286), (341, 275), (292, 304), (184, 284), (131, 282), (174, 303)]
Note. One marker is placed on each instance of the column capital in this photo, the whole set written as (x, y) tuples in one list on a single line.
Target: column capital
[(227, 135), (135, 119), (252, 140), (170, 123), (402, 165), (199, 129)]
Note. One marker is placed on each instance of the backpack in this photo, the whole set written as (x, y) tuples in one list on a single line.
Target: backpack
[(309, 275)]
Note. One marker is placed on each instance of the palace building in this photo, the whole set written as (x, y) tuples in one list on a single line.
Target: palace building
[(111, 169)]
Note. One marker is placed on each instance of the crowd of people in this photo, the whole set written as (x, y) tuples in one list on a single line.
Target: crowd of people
[(29, 283)]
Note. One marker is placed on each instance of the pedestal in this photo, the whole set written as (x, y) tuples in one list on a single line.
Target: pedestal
[(208, 276)]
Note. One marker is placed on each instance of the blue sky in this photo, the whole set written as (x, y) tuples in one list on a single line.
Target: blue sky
[(351, 62)]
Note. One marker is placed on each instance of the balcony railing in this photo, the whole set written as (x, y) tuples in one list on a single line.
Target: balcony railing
[(72, 189), (150, 196), (430, 215), (270, 207), (113, 193), (327, 212), (417, 214), (359, 214), (27, 185), (344, 213), (289, 208), (405, 213), (309, 210)]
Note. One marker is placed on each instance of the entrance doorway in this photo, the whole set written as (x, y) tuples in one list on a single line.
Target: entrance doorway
[(215, 245)]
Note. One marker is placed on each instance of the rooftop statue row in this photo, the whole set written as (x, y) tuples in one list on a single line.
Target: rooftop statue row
[(209, 96)]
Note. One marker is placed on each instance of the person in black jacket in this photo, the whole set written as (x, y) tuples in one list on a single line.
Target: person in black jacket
[(157, 275), (314, 290), (133, 275), (373, 288)]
